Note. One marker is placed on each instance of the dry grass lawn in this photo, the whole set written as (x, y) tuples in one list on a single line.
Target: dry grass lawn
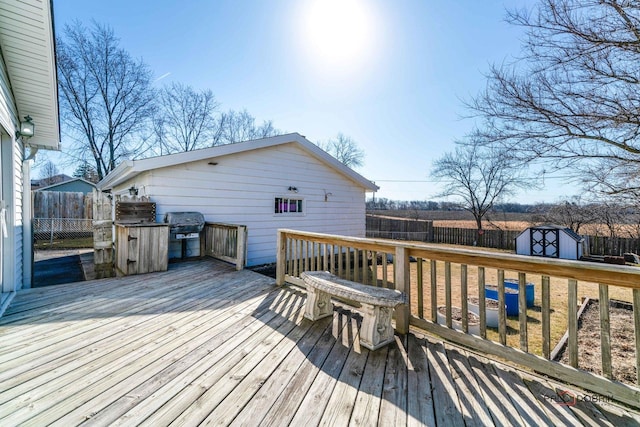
[(621, 230)]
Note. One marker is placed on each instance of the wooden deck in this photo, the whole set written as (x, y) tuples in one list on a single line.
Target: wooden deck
[(204, 344)]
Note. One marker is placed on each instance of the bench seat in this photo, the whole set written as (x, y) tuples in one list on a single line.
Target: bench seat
[(376, 304)]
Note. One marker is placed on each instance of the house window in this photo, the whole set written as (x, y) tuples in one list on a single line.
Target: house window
[(287, 205)]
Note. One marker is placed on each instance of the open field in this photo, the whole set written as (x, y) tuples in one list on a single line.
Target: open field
[(497, 225), (448, 215), (621, 230), (503, 221)]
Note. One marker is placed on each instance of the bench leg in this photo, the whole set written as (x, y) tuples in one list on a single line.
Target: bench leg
[(318, 304), (376, 330)]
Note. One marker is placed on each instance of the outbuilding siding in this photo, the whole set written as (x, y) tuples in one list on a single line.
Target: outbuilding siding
[(569, 243), (241, 188)]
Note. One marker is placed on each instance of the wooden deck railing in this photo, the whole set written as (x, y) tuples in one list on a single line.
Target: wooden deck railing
[(227, 242), (431, 275)]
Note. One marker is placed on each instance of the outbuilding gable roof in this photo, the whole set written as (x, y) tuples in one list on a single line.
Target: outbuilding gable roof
[(130, 168), (67, 182), (575, 236)]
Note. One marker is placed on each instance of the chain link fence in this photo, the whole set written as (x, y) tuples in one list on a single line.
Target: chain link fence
[(63, 232)]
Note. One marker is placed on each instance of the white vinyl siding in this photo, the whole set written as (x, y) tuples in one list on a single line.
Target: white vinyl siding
[(12, 181), (241, 189), (18, 182)]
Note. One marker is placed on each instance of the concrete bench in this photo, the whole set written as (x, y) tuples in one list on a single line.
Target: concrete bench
[(376, 305)]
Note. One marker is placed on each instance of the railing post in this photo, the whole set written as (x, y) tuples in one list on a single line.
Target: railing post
[(636, 323), (281, 257), (403, 284), (241, 247), (203, 241)]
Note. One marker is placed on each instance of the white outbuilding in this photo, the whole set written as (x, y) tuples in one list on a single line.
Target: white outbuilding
[(552, 241), (266, 184)]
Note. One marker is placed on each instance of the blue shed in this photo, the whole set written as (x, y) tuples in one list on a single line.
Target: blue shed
[(75, 185)]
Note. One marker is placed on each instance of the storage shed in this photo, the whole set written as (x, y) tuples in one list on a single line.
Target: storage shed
[(552, 241), (74, 185), (266, 184)]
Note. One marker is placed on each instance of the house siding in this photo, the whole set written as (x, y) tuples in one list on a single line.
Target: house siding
[(12, 181), (241, 188), (18, 224)]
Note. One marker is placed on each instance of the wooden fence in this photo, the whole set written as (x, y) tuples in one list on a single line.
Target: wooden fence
[(399, 229), (424, 231), (103, 250), (62, 204), (500, 239), (616, 246)]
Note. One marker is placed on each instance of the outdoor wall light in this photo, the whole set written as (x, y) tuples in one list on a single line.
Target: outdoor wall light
[(294, 189), (133, 191), (27, 128)]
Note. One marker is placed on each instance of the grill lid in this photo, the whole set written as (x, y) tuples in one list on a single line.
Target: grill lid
[(184, 222)]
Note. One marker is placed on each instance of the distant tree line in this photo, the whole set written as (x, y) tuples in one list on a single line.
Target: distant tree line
[(610, 219), (110, 109), (382, 203)]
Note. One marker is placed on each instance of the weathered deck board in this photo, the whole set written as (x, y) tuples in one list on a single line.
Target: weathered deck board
[(204, 344), (502, 410), (474, 409)]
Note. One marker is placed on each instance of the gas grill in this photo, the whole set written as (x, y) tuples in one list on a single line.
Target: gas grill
[(184, 226)]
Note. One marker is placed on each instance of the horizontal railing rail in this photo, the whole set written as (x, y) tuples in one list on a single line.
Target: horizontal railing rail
[(227, 242), (439, 282)]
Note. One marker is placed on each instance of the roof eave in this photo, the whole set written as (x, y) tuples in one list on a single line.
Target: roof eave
[(27, 41), (122, 173)]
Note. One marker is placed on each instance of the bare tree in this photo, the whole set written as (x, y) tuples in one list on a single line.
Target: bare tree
[(613, 216), (345, 150), (49, 173), (571, 213), (572, 97), (237, 126), (478, 176), (106, 97), (186, 119)]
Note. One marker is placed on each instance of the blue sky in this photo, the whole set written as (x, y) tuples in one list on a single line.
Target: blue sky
[(390, 74)]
